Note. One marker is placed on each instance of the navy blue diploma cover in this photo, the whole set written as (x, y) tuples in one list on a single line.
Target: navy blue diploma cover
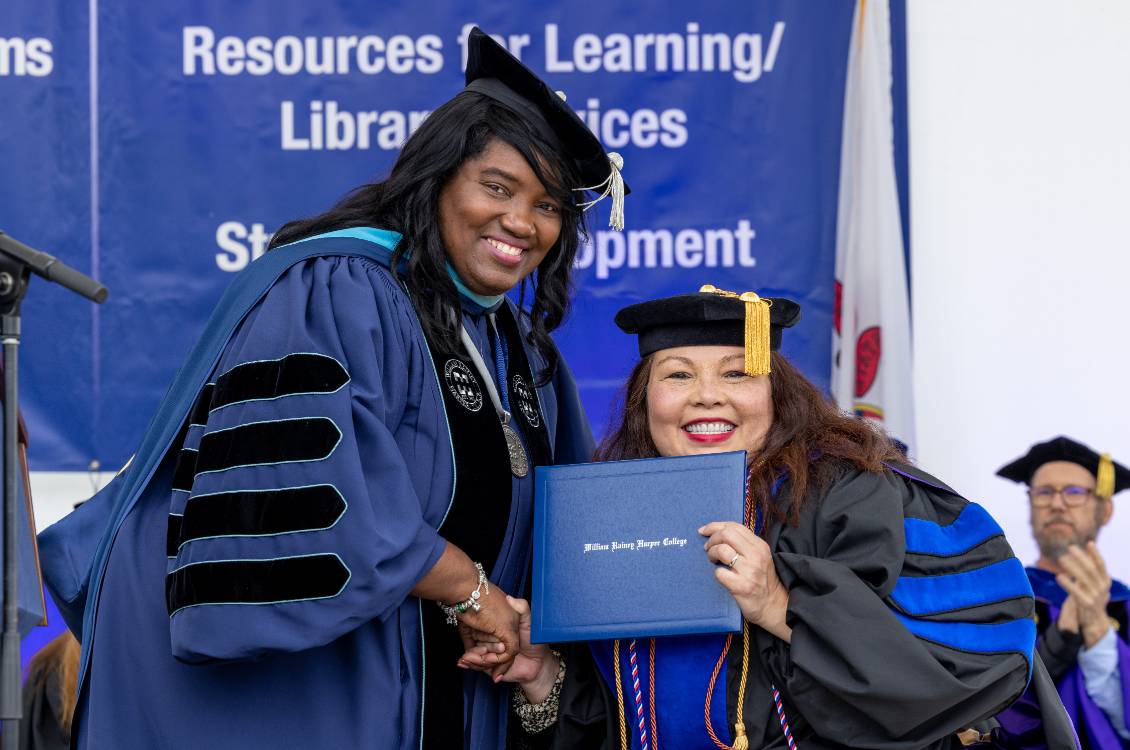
[(617, 552)]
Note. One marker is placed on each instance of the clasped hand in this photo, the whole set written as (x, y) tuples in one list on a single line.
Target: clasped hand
[(496, 622), (1087, 583), (534, 667), (745, 569)]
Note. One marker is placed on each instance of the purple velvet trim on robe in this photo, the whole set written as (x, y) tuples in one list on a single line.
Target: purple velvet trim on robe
[(1086, 713), (1022, 720)]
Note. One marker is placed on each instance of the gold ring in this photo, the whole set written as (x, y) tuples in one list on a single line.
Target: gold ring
[(732, 563)]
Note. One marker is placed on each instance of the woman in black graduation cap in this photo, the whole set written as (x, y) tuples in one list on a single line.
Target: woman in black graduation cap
[(881, 609)]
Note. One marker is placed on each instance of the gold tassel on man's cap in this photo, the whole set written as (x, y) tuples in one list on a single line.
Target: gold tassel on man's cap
[(1104, 477), (757, 328)]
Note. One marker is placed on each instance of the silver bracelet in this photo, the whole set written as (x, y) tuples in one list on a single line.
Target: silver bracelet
[(470, 603), (537, 717)]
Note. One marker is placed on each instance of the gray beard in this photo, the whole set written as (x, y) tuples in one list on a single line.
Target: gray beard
[(1054, 548)]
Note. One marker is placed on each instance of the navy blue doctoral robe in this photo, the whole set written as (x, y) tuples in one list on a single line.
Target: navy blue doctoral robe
[(246, 582)]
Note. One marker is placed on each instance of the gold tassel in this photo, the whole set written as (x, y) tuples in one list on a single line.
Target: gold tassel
[(741, 742), (758, 344), (757, 341), (1104, 477)]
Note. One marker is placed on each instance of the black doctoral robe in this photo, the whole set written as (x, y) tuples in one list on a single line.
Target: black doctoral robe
[(910, 617)]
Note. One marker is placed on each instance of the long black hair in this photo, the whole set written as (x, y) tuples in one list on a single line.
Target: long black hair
[(408, 202)]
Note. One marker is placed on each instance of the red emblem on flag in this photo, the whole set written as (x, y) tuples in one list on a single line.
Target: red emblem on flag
[(868, 350), (838, 306)]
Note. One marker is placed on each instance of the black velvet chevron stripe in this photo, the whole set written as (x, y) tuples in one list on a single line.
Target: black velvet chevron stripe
[(289, 376), (185, 470), (201, 406), (251, 513), (281, 441), (172, 535), (286, 579)]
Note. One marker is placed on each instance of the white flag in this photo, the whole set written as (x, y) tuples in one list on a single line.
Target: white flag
[(871, 356)]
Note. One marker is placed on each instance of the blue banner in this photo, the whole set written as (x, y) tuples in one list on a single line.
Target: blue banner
[(157, 145), (45, 201)]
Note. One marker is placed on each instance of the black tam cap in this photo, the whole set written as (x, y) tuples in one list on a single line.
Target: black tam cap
[(712, 318), (492, 71), (1110, 477)]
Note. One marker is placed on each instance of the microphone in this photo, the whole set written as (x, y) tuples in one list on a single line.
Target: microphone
[(52, 269)]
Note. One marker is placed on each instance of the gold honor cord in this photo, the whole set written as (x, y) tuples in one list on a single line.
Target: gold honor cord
[(741, 742), (710, 692), (757, 328), (619, 694)]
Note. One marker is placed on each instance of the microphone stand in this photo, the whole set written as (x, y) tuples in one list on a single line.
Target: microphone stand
[(17, 263)]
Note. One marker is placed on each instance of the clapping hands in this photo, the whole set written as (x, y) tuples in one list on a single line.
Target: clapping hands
[(1087, 583)]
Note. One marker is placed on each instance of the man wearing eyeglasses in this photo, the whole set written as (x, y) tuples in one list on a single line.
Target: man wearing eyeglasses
[(1081, 612)]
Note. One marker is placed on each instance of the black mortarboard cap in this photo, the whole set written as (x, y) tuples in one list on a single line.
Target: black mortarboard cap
[(1110, 477), (711, 318), (492, 71)]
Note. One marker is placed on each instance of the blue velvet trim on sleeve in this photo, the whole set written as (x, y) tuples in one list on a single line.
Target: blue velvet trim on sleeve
[(1014, 636), (972, 527), (928, 595)]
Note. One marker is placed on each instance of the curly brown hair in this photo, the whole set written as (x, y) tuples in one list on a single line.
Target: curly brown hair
[(810, 439)]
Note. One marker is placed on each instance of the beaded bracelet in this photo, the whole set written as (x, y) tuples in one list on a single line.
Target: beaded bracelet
[(470, 603), (536, 717)]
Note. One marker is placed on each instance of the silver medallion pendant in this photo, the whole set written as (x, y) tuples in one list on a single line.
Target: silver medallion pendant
[(519, 464)]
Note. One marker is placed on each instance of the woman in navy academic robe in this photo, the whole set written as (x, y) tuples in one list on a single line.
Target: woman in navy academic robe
[(344, 463)]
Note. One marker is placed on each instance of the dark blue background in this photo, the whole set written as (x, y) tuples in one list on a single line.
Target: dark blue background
[(178, 155)]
